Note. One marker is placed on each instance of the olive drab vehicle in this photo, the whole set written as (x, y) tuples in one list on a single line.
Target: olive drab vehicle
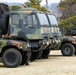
[(54, 32), (13, 52), (28, 25), (33, 25), (66, 44)]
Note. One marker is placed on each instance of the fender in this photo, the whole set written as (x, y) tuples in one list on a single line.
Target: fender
[(68, 40), (13, 43)]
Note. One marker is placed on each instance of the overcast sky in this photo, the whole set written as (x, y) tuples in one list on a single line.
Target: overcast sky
[(22, 1)]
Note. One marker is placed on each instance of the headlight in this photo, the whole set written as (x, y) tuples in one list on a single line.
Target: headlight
[(19, 45)]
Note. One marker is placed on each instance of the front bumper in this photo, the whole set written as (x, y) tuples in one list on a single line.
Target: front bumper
[(55, 44), (46, 43)]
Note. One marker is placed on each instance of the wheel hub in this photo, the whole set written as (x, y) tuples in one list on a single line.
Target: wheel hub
[(11, 57), (67, 50)]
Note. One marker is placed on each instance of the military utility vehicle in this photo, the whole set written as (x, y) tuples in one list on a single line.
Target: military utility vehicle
[(13, 52), (66, 44), (33, 25), (54, 31), (27, 25), (36, 29)]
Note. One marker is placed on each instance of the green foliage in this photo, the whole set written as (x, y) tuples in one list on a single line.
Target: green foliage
[(62, 4), (30, 3), (35, 4), (68, 8), (68, 24)]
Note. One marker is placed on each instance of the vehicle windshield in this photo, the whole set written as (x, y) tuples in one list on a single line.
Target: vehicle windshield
[(43, 19), (53, 20)]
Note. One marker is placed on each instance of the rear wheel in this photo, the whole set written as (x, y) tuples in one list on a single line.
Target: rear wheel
[(24, 58), (40, 54), (67, 49), (34, 54), (11, 58), (45, 53)]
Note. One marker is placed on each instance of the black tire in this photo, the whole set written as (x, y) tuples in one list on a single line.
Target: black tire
[(67, 49), (4, 21), (11, 58), (45, 54), (24, 58), (40, 54), (34, 55)]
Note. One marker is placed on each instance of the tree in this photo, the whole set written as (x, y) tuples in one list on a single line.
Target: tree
[(68, 24), (35, 4), (68, 8), (29, 3)]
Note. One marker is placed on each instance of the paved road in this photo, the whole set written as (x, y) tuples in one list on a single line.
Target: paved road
[(55, 65)]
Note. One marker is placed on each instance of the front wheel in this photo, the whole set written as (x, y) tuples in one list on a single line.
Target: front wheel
[(67, 49), (11, 58)]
